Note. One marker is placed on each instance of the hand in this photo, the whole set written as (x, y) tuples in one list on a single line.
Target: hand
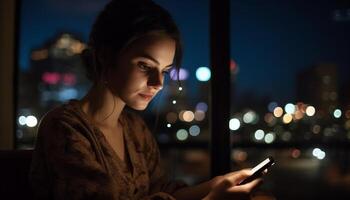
[(226, 186)]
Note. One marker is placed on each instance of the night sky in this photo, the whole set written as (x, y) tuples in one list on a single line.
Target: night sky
[(271, 40)]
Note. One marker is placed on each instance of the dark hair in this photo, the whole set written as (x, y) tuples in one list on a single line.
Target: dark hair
[(123, 21)]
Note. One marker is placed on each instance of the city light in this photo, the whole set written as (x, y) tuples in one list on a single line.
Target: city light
[(31, 121), (298, 115), (69, 79), (234, 124), (269, 137), (182, 134), (68, 93), (337, 113), (188, 116), (239, 155), (318, 153), (174, 101), (310, 111), (295, 153), (287, 118), (181, 115), (249, 117), (22, 120), (271, 107), (270, 119), (194, 130), (259, 134), (202, 106), (51, 78), (180, 88), (183, 74), (199, 115), (168, 125), (289, 108), (203, 74), (278, 112)]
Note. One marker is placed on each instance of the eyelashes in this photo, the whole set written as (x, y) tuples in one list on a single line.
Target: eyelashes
[(148, 69)]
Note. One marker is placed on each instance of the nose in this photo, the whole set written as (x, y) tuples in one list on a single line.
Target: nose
[(156, 80)]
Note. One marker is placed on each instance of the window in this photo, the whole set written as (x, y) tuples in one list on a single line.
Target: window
[(290, 69)]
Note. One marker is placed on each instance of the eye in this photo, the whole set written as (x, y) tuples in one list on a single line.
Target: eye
[(167, 71), (144, 67)]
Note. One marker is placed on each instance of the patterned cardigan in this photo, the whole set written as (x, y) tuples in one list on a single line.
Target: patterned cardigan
[(73, 160)]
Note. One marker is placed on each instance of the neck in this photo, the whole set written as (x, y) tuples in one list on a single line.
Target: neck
[(102, 106)]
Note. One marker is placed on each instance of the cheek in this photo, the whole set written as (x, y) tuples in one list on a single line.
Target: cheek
[(129, 81)]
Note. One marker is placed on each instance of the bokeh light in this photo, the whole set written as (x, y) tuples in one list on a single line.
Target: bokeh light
[(22, 120), (259, 134), (199, 115), (289, 108), (194, 130), (287, 118), (271, 107), (182, 134), (202, 106), (31, 121), (318, 153), (269, 137), (188, 116), (310, 111), (203, 74), (249, 117), (183, 74), (337, 113), (278, 112), (295, 153), (234, 124)]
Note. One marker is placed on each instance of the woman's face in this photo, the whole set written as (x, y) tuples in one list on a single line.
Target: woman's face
[(140, 69)]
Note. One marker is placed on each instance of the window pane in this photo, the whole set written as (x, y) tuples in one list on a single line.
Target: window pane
[(290, 69)]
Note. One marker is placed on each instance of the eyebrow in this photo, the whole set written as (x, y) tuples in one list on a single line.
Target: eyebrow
[(154, 60)]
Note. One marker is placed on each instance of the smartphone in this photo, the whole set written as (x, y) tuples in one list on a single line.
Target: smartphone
[(258, 170)]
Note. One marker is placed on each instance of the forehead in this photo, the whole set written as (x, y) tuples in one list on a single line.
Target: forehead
[(161, 47)]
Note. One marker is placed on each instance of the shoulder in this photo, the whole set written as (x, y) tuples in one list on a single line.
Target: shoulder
[(63, 117)]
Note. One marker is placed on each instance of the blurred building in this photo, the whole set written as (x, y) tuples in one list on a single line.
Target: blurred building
[(318, 86), (55, 75)]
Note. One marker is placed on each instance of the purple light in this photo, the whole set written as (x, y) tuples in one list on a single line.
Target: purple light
[(183, 74), (202, 106)]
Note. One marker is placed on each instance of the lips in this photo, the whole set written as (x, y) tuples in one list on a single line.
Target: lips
[(146, 96)]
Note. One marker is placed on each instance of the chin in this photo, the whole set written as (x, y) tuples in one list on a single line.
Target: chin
[(139, 107)]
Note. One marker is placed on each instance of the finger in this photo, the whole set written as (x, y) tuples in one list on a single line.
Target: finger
[(237, 176), (246, 187)]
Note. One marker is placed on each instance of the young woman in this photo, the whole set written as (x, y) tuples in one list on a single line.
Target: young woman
[(94, 148)]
